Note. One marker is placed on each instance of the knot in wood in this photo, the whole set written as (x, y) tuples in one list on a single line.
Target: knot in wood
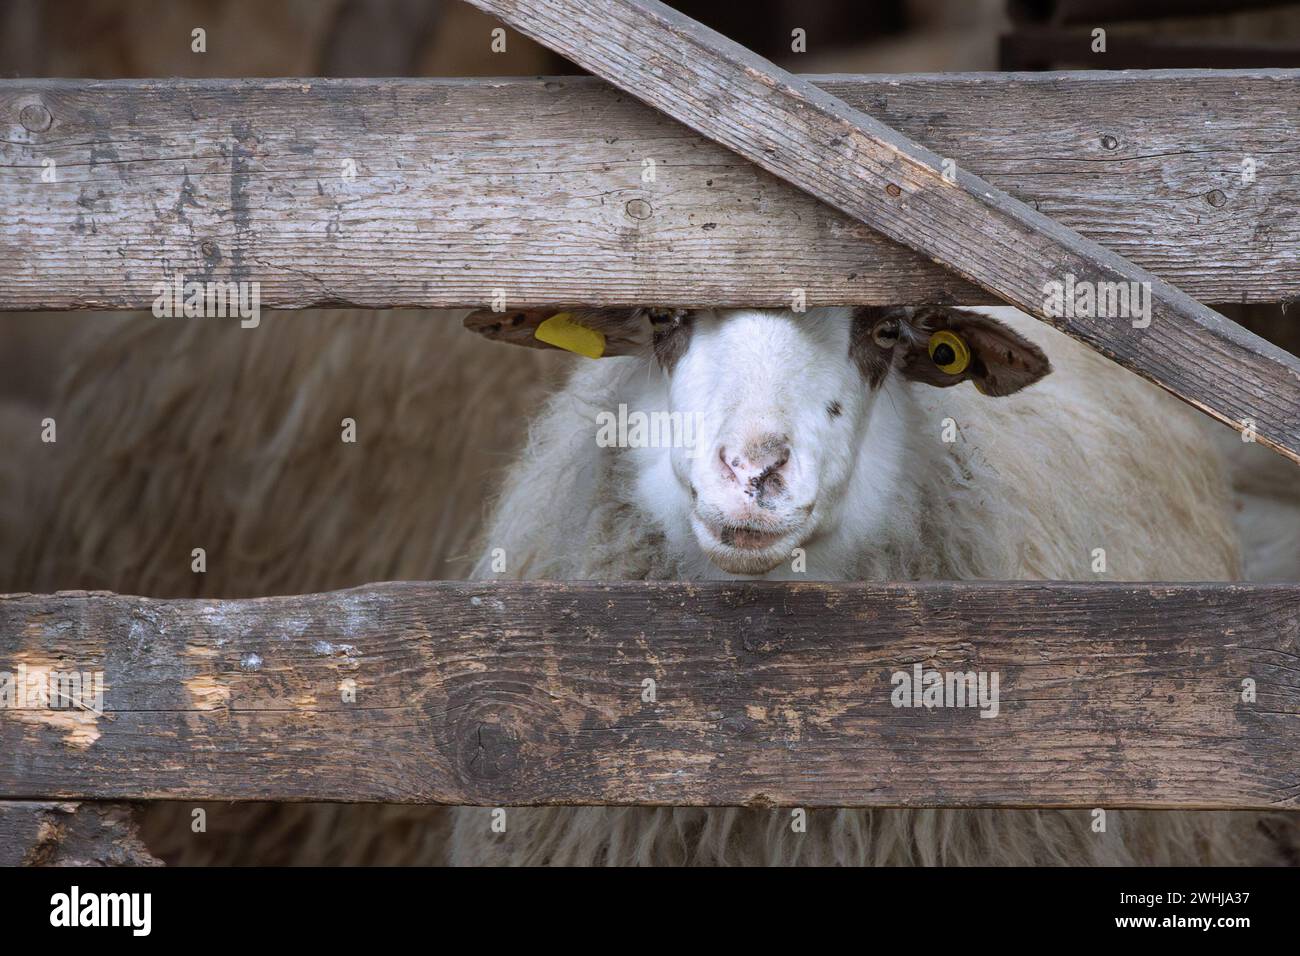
[(638, 209), (491, 751), (35, 118)]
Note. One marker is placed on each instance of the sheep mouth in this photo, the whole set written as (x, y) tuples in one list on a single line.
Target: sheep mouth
[(745, 549), (747, 539)]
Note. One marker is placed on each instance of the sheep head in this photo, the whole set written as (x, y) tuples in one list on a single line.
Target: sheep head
[(782, 403)]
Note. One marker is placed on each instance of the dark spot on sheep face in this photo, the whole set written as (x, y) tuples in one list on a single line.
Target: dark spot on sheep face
[(834, 409)]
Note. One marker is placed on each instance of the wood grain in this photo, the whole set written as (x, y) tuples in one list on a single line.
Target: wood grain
[(41, 833), (531, 693), (535, 186), (881, 177)]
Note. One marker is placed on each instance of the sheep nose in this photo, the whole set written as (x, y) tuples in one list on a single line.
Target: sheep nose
[(756, 465)]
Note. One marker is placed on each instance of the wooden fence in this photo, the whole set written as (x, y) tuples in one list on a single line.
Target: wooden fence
[(537, 186), (442, 193), (669, 693)]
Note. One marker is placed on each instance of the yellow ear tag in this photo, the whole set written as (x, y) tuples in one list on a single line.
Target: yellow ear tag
[(949, 351), (561, 331)]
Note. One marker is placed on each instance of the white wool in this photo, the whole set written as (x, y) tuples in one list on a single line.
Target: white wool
[(1089, 458), (1266, 508)]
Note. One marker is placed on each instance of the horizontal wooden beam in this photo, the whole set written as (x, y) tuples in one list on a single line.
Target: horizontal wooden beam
[(42, 833), (537, 187), (855, 163), (666, 693)]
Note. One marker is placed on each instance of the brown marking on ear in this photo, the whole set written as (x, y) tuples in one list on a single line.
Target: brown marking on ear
[(1002, 361), (515, 327), (1008, 361), (626, 331)]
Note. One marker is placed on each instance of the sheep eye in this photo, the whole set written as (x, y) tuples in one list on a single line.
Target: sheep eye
[(666, 316), (885, 334)]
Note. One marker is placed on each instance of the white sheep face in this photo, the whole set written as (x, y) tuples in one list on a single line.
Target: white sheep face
[(787, 443), (781, 409)]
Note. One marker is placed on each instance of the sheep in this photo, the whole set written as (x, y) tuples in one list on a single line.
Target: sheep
[(174, 433), (233, 439), (183, 433), (1266, 508), (823, 435)]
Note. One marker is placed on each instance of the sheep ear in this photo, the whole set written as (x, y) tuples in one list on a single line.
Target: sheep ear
[(595, 333), (945, 346)]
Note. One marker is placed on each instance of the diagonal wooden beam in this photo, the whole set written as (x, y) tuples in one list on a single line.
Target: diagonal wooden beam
[(870, 171)]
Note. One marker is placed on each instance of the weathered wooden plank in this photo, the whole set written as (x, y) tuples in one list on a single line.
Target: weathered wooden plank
[(535, 186), (869, 170), (38, 833), (523, 693)]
